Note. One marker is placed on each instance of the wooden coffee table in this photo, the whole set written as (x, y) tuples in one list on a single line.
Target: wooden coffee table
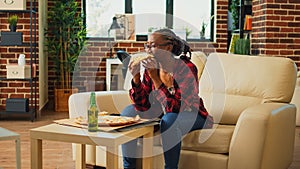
[(9, 135), (111, 140)]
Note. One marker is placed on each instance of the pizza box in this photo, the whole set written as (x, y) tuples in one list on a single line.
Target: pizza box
[(140, 123)]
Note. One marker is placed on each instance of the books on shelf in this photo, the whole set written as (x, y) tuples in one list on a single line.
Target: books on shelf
[(234, 38), (248, 23)]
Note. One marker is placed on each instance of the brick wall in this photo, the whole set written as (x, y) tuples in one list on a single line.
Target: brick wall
[(92, 62), (276, 28), (274, 33), (10, 54)]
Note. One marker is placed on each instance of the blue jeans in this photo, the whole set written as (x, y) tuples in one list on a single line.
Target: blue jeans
[(172, 127)]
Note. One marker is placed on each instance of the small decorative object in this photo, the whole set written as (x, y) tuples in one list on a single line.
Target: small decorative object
[(21, 60), (12, 4), (17, 105), (188, 31), (234, 37), (248, 23), (203, 28), (11, 38), (13, 20), (15, 71)]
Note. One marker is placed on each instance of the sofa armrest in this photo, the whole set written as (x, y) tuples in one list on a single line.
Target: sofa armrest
[(263, 137), (110, 101), (296, 99)]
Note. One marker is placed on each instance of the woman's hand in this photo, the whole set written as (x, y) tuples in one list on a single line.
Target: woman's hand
[(152, 67), (134, 69)]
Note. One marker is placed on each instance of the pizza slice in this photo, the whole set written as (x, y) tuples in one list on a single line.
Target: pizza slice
[(109, 120), (137, 59)]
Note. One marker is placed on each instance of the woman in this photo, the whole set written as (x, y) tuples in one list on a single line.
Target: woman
[(169, 89)]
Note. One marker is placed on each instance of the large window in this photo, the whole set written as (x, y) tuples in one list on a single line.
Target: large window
[(99, 14), (187, 20)]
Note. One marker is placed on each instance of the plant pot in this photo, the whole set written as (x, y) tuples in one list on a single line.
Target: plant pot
[(61, 99), (13, 28)]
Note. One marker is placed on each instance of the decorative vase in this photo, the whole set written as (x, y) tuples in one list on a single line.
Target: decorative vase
[(13, 28)]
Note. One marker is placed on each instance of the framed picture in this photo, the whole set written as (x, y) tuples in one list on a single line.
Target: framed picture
[(12, 4)]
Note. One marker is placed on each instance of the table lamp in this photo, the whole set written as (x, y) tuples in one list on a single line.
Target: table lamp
[(113, 26)]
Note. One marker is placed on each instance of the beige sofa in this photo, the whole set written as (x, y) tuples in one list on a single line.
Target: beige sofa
[(255, 124), (296, 99)]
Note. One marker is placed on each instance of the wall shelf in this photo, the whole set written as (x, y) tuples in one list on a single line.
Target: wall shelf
[(18, 11), (31, 112), (33, 60), (23, 44), (25, 79)]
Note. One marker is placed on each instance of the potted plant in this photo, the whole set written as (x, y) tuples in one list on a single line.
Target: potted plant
[(65, 39), (202, 31), (11, 37), (188, 31), (13, 20)]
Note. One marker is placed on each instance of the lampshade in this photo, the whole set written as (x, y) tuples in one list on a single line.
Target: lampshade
[(115, 24)]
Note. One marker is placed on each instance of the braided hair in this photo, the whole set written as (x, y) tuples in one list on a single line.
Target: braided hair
[(180, 47)]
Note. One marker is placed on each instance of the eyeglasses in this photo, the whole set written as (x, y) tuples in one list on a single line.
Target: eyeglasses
[(153, 45)]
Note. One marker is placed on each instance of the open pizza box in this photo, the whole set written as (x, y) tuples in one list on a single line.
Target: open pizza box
[(110, 128)]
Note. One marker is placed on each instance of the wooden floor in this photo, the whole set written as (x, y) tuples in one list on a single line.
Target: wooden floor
[(58, 155)]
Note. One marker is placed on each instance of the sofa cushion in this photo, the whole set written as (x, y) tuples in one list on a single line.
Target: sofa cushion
[(231, 83), (216, 140), (199, 60)]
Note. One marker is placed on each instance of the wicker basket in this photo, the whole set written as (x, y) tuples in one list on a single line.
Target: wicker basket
[(62, 97)]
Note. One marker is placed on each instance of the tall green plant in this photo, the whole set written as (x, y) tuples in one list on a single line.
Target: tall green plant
[(242, 46), (234, 9), (65, 38)]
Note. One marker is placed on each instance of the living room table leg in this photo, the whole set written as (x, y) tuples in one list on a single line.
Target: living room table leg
[(93, 154), (112, 157), (18, 153), (80, 156), (36, 154), (147, 149)]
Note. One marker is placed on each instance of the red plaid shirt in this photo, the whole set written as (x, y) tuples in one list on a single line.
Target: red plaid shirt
[(186, 96)]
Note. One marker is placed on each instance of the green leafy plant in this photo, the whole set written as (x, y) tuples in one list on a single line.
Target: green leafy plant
[(242, 46), (234, 9), (202, 31), (188, 31), (65, 39), (13, 20)]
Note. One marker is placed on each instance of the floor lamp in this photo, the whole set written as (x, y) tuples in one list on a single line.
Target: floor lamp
[(115, 25)]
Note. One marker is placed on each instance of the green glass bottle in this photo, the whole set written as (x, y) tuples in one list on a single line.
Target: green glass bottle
[(93, 114)]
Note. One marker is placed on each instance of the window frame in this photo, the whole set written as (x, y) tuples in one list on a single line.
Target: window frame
[(128, 10)]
